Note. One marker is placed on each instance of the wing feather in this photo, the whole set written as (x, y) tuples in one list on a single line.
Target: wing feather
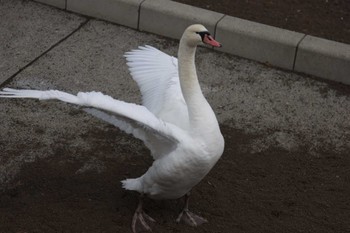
[(131, 118), (156, 74), (157, 144)]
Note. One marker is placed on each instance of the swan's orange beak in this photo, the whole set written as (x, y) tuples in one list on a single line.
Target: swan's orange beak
[(208, 39)]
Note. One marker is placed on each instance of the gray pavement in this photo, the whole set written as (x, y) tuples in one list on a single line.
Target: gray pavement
[(276, 46), (28, 30), (281, 109)]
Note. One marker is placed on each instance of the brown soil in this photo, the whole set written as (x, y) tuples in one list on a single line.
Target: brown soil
[(273, 191), (328, 19)]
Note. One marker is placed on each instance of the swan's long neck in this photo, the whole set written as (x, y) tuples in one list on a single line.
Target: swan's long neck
[(198, 107), (187, 72)]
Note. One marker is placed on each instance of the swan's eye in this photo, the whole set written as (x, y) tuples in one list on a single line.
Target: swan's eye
[(203, 34)]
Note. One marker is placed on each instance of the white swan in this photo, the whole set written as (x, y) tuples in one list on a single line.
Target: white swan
[(175, 122)]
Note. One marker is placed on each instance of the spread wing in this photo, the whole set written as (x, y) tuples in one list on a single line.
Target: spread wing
[(156, 74), (159, 136)]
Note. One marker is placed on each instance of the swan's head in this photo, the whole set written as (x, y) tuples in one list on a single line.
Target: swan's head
[(197, 34)]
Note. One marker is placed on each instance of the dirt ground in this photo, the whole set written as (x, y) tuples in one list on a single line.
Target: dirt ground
[(328, 19), (271, 191)]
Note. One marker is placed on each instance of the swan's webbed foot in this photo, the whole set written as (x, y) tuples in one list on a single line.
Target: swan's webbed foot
[(141, 221), (188, 217)]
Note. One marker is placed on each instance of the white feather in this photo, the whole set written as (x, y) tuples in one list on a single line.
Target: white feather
[(157, 143), (158, 136), (156, 74)]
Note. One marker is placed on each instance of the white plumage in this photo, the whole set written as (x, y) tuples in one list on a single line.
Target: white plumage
[(156, 74), (174, 121)]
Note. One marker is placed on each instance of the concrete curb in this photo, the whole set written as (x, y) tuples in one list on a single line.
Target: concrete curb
[(124, 12), (324, 58), (56, 3), (279, 47), (168, 18), (258, 42)]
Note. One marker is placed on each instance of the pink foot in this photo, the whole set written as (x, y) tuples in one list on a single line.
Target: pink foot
[(190, 218), (141, 221)]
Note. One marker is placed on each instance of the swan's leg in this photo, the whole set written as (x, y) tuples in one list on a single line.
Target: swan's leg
[(188, 217), (141, 220)]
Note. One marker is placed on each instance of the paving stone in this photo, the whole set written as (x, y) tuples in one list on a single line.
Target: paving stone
[(27, 30)]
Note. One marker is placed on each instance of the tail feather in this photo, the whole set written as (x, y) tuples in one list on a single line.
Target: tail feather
[(132, 184)]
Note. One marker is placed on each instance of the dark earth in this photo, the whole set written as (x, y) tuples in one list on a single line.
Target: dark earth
[(328, 19), (271, 191)]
